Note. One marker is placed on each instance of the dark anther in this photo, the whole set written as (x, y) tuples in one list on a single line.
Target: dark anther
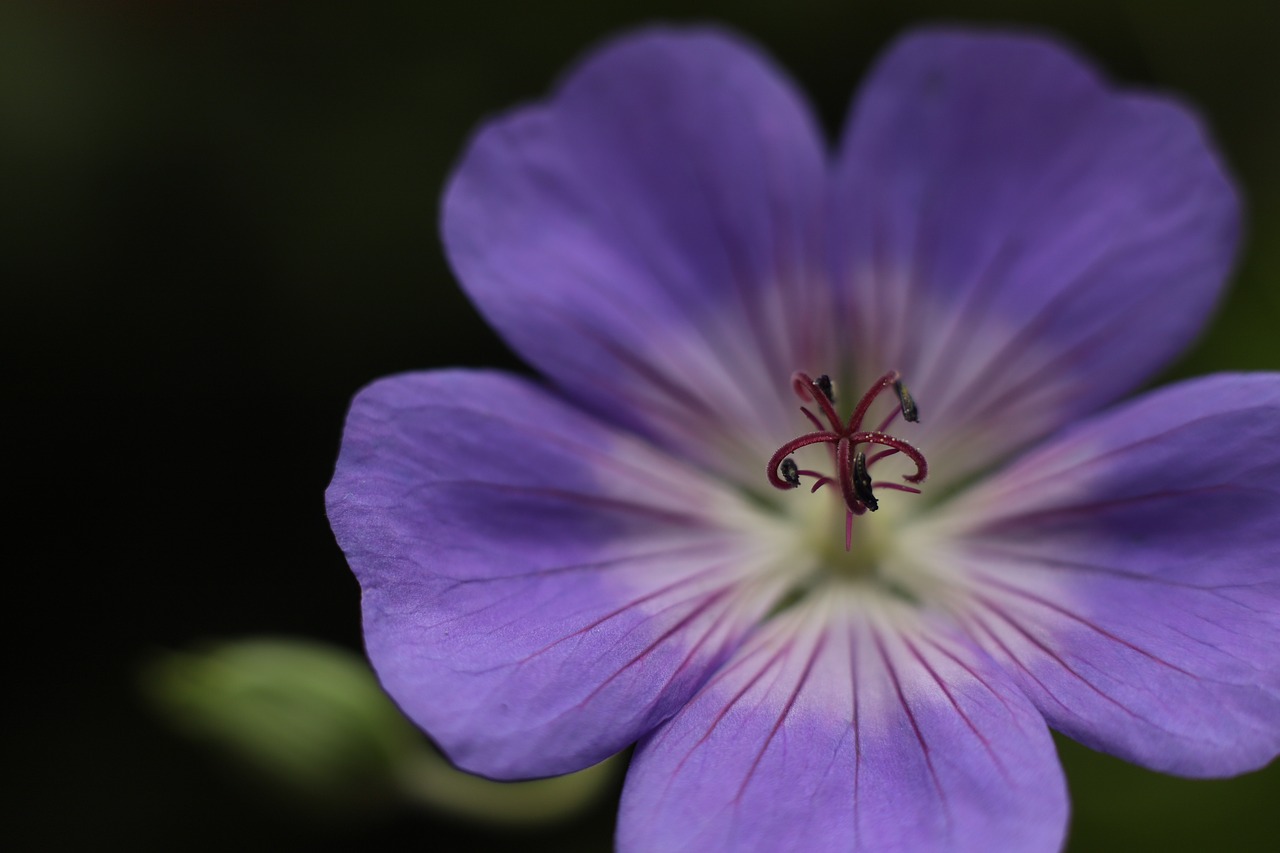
[(909, 410), (790, 472), (862, 482), (824, 385)]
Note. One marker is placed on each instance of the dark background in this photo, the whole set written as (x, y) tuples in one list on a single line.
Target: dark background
[(218, 220)]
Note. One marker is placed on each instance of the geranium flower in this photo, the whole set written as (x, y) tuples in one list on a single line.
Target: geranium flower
[(652, 547)]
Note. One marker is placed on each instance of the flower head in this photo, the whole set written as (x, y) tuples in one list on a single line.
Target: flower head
[(849, 626)]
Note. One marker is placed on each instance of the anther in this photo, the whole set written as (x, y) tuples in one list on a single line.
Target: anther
[(909, 410), (862, 482), (790, 472), (826, 387)]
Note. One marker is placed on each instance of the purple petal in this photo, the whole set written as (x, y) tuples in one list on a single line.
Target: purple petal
[(649, 240), (1024, 242), (1126, 573), (539, 590), (849, 724)]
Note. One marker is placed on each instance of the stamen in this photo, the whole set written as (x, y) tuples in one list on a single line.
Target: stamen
[(909, 410), (874, 458), (862, 482), (824, 385), (922, 467), (808, 391), (780, 455), (852, 476), (898, 487), (813, 419)]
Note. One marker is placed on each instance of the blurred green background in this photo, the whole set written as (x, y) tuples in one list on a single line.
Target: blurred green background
[(218, 219)]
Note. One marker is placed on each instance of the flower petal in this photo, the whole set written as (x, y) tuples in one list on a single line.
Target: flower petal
[(1022, 241), (649, 239), (1127, 574), (539, 591), (859, 728)]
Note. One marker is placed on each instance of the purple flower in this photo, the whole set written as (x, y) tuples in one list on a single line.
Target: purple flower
[(652, 549)]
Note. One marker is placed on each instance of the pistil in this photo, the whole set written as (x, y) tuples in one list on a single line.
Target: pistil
[(852, 465)]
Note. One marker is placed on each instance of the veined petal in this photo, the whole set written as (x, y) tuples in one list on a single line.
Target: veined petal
[(539, 590), (849, 723), (1128, 575), (650, 240), (1022, 241)]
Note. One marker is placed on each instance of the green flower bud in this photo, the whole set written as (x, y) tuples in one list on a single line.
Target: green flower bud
[(312, 720)]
